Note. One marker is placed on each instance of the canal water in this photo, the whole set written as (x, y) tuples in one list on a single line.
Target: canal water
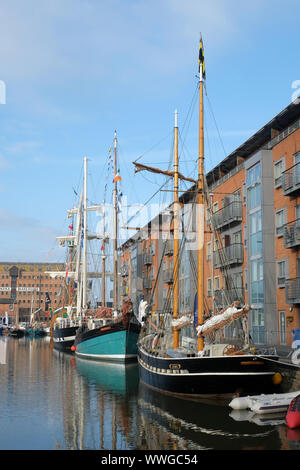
[(52, 400)]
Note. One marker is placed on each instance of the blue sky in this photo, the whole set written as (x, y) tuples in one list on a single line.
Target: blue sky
[(76, 70)]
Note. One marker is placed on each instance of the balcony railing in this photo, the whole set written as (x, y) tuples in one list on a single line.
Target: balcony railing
[(147, 259), (124, 270), (123, 290), (291, 180), (169, 248), (168, 277), (147, 283), (225, 297), (232, 254), (232, 213), (292, 291), (291, 234)]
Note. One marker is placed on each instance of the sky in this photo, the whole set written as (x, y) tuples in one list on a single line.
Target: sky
[(74, 71)]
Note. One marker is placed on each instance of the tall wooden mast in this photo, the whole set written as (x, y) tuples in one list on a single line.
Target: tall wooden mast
[(200, 198), (115, 242), (103, 300), (176, 233), (84, 274)]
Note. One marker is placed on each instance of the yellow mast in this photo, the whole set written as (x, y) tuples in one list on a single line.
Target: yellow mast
[(200, 198), (176, 233)]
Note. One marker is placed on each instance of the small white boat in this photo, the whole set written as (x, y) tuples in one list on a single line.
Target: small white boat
[(261, 404)]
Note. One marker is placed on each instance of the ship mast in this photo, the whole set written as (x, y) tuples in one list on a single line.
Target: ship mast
[(103, 303), (84, 274), (176, 232), (115, 243), (200, 198)]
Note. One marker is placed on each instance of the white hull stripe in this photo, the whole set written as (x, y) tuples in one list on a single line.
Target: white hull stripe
[(177, 373), (62, 340), (107, 356)]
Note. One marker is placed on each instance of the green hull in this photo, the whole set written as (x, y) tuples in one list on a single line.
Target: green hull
[(120, 346)]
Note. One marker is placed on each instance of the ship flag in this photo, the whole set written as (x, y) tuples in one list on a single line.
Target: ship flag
[(201, 57)]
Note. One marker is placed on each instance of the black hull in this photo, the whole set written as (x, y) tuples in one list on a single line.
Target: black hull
[(63, 338), (17, 333), (201, 376)]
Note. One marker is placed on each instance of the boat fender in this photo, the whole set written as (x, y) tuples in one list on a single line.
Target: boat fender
[(277, 378), (292, 418), (73, 348), (154, 342), (240, 403)]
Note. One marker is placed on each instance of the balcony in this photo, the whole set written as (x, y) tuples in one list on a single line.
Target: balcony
[(169, 248), (291, 180), (147, 259), (147, 283), (123, 290), (230, 214), (168, 277), (292, 291), (291, 234), (231, 254), (124, 270), (225, 297)]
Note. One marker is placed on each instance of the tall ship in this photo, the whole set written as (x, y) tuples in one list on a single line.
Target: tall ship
[(113, 335), (74, 289), (207, 364)]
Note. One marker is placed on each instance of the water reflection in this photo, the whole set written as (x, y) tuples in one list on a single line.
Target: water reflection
[(197, 425), (114, 389), (52, 400)]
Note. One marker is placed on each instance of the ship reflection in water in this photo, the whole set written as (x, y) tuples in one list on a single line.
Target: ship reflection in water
[(52, 400)]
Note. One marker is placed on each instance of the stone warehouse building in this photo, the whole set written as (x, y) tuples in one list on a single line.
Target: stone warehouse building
[(256, 208), (23, 288)]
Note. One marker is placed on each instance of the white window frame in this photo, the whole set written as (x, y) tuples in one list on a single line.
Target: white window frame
[(279, 168), (279, 228)]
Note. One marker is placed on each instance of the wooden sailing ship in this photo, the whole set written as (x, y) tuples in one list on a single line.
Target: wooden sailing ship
[(113, 338), (213, 368)]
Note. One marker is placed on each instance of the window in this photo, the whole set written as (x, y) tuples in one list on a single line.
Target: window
[(237, 195), (281, 273), (237, 237), (208, 251), (282, 327), (255, 233), (279, 168), (217, 283), (257, 281), (258, 326), (254, 186), (280, 222), (209, 287)]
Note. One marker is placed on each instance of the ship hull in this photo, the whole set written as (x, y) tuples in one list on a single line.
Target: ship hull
[(63, 338), (199, 376), (113, 343), (17, 333)]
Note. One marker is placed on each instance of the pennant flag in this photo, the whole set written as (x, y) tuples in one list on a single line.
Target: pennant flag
[(201, 57), (117, 178), (71, 227)]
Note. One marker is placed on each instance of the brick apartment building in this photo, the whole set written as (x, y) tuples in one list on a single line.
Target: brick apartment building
[(255, 207), (23, 288)]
